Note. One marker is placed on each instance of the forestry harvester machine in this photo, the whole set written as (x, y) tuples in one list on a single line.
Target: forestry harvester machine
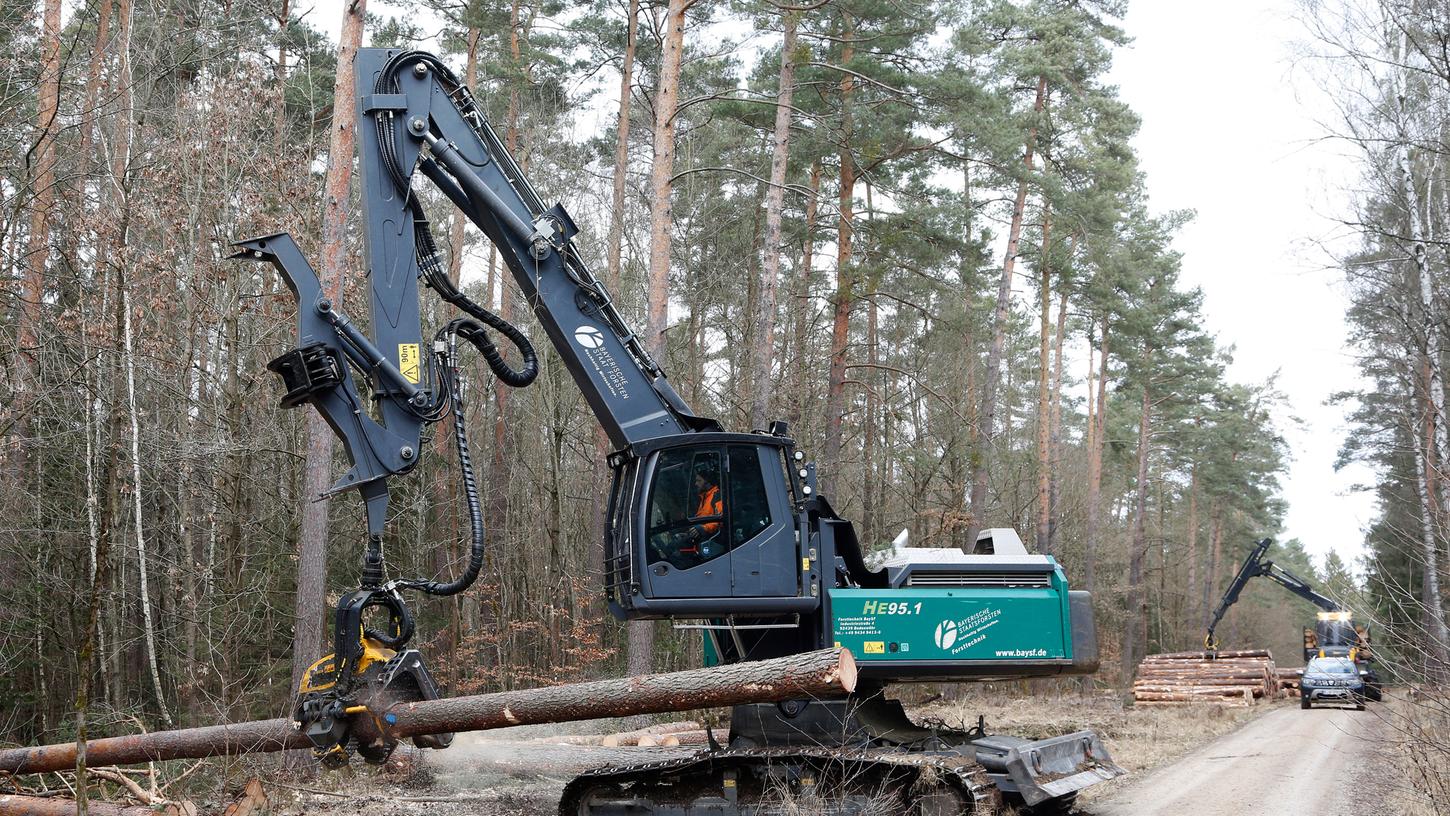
[(1334, 634), (724, 529)]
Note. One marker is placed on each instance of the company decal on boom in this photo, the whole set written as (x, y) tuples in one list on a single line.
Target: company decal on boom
[(610, 375)]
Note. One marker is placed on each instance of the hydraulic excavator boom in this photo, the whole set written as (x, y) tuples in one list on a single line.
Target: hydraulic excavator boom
[(725, 529), (1254, 566), (1335, 632)]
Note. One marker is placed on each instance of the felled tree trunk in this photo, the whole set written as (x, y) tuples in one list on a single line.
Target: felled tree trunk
[(11, 805), (821, 673)]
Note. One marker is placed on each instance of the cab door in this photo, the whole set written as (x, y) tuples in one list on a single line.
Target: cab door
[(764, 555), (684, 524)]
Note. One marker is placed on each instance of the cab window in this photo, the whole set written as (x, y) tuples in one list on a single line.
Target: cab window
[(749, 504), (686, 522), (1337, 665)]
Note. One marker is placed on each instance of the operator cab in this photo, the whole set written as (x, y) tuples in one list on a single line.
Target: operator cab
[(1334, 635), (706, 524)]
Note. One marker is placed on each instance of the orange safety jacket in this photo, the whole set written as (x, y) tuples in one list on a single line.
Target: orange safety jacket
[(710, 505)]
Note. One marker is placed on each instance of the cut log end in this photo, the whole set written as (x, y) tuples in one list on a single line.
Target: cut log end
[(847, 670)]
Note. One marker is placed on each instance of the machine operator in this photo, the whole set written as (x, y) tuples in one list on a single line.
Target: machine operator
[(699, 539)]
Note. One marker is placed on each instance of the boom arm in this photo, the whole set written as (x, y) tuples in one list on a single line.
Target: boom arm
[(1255, 566), (414, 115), (411, 101)]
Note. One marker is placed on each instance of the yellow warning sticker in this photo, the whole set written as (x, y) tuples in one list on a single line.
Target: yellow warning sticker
[(408, 361), (874, 647)]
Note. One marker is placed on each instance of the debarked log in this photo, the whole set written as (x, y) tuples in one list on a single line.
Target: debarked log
[(1201, 681), (1244, 696), (1260, 676), (1195, 657), (1258, 691), (827, 672), (19, 805)]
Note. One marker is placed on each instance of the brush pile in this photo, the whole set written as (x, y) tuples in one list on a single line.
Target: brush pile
[(1232, 678)]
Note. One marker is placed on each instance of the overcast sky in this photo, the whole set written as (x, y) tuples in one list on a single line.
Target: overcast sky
[(1231, 129)]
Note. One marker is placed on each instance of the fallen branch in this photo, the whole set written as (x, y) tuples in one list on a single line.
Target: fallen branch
[(126, 782)]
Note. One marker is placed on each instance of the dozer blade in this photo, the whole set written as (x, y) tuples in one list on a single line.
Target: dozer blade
[(1046, 769)]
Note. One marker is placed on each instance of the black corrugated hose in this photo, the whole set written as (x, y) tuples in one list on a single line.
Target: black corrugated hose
[(473, 330), (448, 367)]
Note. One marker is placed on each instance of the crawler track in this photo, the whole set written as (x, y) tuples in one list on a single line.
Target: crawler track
[(760, 781)]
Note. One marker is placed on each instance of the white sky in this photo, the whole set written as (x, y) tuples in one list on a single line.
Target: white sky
[(1230, 129)]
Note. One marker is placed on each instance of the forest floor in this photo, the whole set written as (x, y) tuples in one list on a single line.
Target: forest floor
[(513, 771)]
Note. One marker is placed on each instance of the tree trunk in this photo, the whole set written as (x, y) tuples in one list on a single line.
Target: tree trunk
[(1430, 598), (763, 349), (457, 228), (621, 152), (280, 74), (964, 439), (98, 561), (502, 463), (614, 269), (101, 522), (667, 95), (871, 429), (1054, 503), (444, 493), (845, 275), (310, 604), (120, 180), (1192, 534), (142, 569), (986, 415), (1135, 633), (21, 805), (1215, 557), (1434, 402), (805, 305), (812, 674), (37, 249), (91, 103), (1044, 390), (1095, 463)]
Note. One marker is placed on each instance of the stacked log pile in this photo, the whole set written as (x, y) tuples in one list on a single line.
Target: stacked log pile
[(1236, 678), (1289, 680)]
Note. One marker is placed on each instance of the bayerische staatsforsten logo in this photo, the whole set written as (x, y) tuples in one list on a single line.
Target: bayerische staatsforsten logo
[(946, 634), (589, 337)]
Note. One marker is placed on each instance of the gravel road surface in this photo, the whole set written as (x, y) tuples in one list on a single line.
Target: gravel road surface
[(1287, 761)]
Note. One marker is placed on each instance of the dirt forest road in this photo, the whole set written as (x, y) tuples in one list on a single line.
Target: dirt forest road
[(1286, 762)]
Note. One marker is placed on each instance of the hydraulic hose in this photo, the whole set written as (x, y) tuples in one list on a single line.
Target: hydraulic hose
[(437, 279), (448, 362), (473, 328), (426, 248)]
